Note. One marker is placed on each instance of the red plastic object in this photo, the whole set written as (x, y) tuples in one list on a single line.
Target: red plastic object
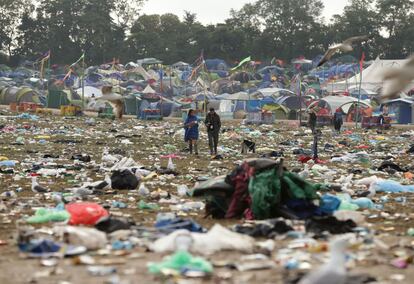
[(319, 161), (362, 147), (85, 213), (304, 159)]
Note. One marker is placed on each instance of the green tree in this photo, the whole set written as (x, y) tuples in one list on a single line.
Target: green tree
[(11, 13), (358, 18), (246, 23), (289, 26), (396, 20), (70, 27)]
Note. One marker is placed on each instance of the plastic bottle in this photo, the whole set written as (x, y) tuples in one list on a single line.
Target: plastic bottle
[(171, 165), (183, 242), (143, 190), (101, 270), (165, 216), (196, 205)]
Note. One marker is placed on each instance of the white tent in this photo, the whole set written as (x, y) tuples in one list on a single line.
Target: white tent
[(267, 92), (343, 102), (89, 91), (148, 90), (371, 77), (240, 96)]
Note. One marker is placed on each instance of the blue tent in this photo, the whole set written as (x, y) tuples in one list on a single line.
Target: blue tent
[(291, 102), (402, 108), (216, 64)]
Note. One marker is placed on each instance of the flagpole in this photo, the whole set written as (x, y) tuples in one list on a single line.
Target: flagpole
[(359, 91), (48, 79), (83, 81), (300, 101)]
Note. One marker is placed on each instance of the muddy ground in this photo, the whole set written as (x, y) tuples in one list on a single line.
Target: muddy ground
[(145, 142)]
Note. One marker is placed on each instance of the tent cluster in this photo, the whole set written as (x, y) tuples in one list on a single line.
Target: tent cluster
[(151, 89)]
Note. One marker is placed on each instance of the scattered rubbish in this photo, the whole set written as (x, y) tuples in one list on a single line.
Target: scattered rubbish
[(183, 263), (85, 213)]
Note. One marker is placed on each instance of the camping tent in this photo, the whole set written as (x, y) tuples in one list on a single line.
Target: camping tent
[(280, 111), (57, 98), (403, 110), (89, 91), (266, 92), (291, 102), (148, 90), (371, 77), (240, 96), (334, 102), (18, 95)]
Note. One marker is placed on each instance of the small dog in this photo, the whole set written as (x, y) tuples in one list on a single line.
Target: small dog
[(248, 146)]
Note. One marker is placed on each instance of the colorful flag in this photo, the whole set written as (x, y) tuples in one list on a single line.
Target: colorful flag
[(361, 63), (46, 55), (247, 59), (77, 61)]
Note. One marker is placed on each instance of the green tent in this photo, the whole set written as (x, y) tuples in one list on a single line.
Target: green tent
[(281, 112)]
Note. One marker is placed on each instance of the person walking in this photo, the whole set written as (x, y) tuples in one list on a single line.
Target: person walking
[(338, 120), (312, 119), (191, 131), (213, 124)]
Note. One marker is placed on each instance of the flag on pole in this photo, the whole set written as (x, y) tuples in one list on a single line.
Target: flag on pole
[(247, 59), (361, 62), (79, 60), (46, 56)]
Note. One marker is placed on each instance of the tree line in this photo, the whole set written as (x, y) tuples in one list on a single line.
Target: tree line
[(265, 29)]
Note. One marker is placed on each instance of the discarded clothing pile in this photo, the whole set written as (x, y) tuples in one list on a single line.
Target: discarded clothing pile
[(259, 189)]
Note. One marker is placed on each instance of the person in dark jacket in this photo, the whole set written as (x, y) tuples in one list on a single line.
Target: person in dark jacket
[(312, 120), (191, 131), (338, 120), (213, 124)]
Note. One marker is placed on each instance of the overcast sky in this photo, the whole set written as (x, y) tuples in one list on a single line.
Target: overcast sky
[(215, 11)]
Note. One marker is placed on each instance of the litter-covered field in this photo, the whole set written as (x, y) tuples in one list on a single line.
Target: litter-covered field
[(88, 200)]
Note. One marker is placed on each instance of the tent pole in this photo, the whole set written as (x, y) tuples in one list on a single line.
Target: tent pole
[(359, 100), (83, 82), (300, 101), (48, 79)]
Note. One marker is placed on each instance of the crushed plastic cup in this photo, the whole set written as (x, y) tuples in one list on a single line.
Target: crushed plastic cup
[(182, 190), (101, 270), (143, 190), (171, 165)]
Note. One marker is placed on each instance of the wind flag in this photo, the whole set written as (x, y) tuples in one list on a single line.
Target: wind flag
[(67, 75), (361, 63), (79, 60), (247, 59), (46, 56)]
